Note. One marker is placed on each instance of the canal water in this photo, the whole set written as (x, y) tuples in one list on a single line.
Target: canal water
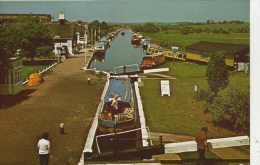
[(121, 53)]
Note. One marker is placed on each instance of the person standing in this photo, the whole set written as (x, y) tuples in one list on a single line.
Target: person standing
[(202, 145), (114, 106), (44, 149)]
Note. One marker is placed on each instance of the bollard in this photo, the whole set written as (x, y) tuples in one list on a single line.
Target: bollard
[(89, 80), (161, 137), (61, 128)]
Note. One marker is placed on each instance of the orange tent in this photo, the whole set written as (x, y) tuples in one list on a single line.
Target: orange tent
[(35, 79)]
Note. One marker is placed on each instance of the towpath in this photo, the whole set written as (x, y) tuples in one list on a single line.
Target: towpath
[(64, 97)]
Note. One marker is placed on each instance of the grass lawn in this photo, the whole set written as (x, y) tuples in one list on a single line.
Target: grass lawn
[(181, 113), (27, 70), (173, 36)]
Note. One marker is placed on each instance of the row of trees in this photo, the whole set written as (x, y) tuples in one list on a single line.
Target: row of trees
[(147, 27), (187, 30), (230, 107), (225, 22), (103, 26), (28, 35)]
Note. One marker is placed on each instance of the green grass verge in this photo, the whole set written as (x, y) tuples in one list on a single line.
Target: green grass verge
[(27, 70)]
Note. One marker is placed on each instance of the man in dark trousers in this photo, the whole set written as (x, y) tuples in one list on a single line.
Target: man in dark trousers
[(202, 145)]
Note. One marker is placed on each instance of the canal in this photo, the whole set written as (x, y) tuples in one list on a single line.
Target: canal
[(121, 53)]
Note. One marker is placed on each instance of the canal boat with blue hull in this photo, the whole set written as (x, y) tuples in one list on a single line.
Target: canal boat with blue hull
[(125, 116)]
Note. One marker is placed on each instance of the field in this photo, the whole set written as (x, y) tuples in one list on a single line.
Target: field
[(174, 37), (181, 113)]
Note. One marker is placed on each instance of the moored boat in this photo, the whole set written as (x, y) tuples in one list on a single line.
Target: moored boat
[(151, 61), (145, 43), (135, 40), (120, 87), (154, 49), (101, 47)]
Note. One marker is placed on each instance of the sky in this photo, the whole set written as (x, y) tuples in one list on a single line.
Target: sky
[(132, 11)]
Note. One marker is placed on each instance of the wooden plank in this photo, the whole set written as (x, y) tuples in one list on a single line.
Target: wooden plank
[(229, 142), (156, 70), (213, 143)]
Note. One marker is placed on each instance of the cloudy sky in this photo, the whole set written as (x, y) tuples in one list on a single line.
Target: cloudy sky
[(135, 10)]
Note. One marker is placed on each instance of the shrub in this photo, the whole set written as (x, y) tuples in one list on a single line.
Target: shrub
[(230, 109)]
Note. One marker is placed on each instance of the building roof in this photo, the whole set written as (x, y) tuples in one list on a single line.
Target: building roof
[(66, 30), (213, 46)]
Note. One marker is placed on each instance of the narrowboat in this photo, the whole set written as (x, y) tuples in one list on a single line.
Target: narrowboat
[(154, 49), (151, 61), (180, 55), (98, 58), (145, 43), (135, 39), (125, 117), (168, 54), (101, 47)]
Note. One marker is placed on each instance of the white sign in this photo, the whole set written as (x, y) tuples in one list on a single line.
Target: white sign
[(165, 87), (195, 88)]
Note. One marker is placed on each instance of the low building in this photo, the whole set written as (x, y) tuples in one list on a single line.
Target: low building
[(11, 18), (11, 76), (235, 54), (67, 36)]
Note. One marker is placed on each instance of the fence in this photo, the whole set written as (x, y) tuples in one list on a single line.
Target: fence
[(44, 70)]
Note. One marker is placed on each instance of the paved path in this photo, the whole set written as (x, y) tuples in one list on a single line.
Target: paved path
[(63, 97)]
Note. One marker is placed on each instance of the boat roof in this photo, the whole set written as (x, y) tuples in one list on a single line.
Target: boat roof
[(120, 86), (101, 44), (103, 39)]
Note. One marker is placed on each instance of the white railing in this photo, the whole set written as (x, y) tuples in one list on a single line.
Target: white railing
[(43, 70)]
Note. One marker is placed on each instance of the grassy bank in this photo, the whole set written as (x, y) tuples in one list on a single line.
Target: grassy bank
[(34, 66), (181, 113), (27, 70)]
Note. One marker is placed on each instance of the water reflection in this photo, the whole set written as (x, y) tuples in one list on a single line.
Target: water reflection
[(121, 53)]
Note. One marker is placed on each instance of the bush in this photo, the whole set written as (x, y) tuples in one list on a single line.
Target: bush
[(206, 95), (231, 109)]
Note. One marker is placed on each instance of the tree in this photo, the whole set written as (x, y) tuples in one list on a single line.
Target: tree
[(94, 25), (36, 39), (104, 26), (10, 37), (150, 28), (217, 72), (231, 109)]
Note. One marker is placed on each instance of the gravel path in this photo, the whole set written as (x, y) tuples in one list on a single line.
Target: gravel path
[(63, 97)]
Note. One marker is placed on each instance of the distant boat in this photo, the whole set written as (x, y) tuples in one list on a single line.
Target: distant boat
[(101, 47), (123, 33), (125, 119), (135, 39)]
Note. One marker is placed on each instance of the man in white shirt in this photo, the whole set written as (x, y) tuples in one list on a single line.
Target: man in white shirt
[(44, 149)]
